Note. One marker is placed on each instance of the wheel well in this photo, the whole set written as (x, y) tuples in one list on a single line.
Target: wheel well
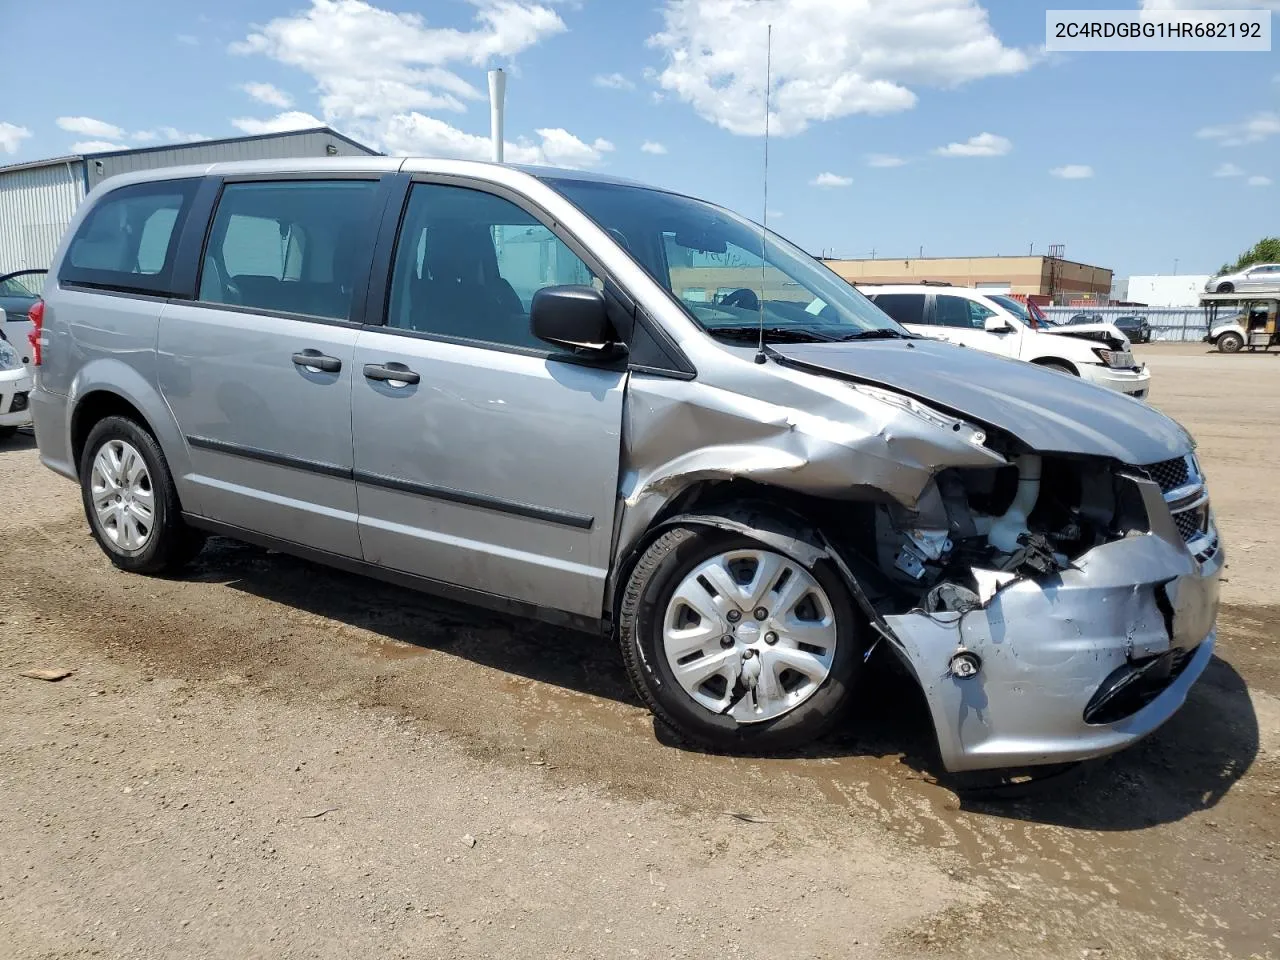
[(1056, 362), (95, 407), (847, 520)]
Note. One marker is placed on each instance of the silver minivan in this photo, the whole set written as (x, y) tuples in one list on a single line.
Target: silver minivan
[(618, 408)]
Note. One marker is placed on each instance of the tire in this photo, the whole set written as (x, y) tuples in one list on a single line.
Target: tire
[(1226, 288), (646, 608), (1230, 343), (163, 543), (1059, 367), (7, 432)]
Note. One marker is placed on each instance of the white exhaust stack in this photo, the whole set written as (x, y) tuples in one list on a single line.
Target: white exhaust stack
[(497, 107)]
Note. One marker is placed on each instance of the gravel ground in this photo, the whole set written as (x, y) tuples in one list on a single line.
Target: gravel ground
[(268, 759)]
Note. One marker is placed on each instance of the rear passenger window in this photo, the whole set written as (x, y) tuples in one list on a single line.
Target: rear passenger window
[(128, 240), (290, 247), (468, 263), (903, 307)]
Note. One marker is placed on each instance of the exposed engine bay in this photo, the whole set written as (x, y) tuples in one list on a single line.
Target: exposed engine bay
[(976, 530)]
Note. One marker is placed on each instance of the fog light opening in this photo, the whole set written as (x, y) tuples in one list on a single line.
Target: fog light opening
[(964, 664)]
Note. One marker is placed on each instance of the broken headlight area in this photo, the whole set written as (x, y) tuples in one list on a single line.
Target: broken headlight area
[(973, 531)]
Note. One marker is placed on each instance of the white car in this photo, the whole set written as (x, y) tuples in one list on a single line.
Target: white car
[(999, 324), (15, 386), (1259, 276)]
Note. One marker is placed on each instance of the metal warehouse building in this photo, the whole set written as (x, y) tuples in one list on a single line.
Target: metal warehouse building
[(38, 199)]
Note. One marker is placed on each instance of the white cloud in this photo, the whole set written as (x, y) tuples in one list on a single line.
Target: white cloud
[(188, 39), (280, 123), (377, 71), (1210, 4), (11, 136), (828, 179), (1259, 181), (652, 146), (414, 133), (613, 81), (89, 127), (269, 94), (831, 58), (1228, 170), (1254, 130), (983, 145), (96, 146), (1072, 171), (884, 160), (144, 136)]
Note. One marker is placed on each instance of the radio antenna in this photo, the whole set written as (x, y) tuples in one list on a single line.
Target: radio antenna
[(764, 233)]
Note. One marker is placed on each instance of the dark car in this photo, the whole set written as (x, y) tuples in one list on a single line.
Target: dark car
[(1137, 329)]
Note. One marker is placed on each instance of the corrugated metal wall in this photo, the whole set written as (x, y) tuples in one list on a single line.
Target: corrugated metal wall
[(35, 205), (266, 148), (1167, 323)]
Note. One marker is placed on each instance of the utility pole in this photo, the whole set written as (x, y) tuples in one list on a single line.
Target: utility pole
[(1175, 266), (873, 253)]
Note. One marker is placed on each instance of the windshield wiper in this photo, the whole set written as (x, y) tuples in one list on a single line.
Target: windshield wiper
[(882, 333), (771, 334)]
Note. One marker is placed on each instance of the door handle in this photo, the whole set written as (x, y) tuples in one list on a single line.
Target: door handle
[(392, 373), (315, 360)]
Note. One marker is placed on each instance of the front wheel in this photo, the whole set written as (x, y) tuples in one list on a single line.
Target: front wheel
[(1230, 343), (130, 500), (1226, 288), (736, 646), (1059, 367)]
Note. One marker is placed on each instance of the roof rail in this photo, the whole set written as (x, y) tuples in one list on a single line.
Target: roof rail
[(935, 283)]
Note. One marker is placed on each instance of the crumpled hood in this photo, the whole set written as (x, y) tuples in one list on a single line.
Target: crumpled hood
[(1048, 411)]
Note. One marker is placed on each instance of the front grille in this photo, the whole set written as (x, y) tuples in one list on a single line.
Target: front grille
[(1170, 474), (19, 402), (1131, 687), (1191, 523)]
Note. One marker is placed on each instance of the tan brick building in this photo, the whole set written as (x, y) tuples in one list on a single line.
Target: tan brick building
[(1034, 276)]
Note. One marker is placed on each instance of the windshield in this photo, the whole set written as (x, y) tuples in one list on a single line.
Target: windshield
[(1029, 314), (710, 259), (25, 284)]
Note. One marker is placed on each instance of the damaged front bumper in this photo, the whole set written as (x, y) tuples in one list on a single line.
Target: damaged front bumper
[(1057, 647)]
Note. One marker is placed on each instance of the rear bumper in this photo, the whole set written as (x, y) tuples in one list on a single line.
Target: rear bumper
[(1050, 648), (53, 431), (1135, 383)]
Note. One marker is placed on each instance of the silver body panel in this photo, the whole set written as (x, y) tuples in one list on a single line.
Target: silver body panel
[(534, 479)]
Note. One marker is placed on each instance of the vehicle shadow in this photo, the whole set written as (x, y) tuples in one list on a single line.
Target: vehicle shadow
[(24, 439), (1186, 766)]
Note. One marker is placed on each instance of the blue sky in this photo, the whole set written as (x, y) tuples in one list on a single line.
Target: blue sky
[(1159, 156)]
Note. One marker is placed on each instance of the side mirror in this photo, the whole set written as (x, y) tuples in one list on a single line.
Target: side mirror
[(996, 325), (575, 317)]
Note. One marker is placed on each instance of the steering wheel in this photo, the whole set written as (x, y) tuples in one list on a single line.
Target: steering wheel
[(743, 298)]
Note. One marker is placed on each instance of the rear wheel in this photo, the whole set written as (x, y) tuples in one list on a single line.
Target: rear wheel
[(130, 500), (1230, 343), (736, 646)]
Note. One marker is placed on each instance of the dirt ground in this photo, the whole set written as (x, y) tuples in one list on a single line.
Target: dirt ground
[(268, 759)]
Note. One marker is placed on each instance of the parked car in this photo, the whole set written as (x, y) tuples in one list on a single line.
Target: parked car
[(329, 357), (1135, 329), (998, 324), (15, 387), (1260, 276), (18, 291)]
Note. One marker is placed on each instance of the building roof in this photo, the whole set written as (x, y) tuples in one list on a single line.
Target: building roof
[(77, 157)]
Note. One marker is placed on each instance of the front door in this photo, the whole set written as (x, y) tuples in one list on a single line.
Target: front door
[(484, 458), (258, 371), (962, 321)]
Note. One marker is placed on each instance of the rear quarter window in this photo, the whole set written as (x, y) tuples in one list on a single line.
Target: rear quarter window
[(128, 241), (903, 307)]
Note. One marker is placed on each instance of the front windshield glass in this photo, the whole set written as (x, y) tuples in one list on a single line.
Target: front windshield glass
[(710, 259), (1028, 315)]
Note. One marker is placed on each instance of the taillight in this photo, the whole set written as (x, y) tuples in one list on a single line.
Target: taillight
[(36, 316)]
